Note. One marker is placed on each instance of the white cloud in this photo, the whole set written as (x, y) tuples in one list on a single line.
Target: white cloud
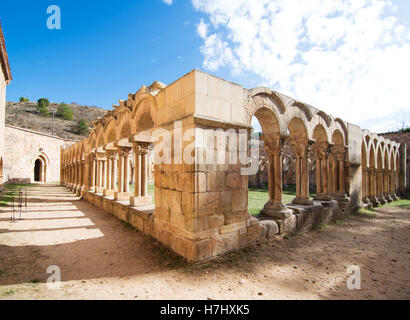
[(348, 58), (168, 2)]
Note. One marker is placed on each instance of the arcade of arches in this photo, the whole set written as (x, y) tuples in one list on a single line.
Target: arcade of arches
[(200, 210)]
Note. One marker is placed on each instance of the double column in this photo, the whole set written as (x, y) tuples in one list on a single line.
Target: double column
[(386, 185), (101, 171), (141, 197), (93, 170), (123, 174), (373, 186), (301, 149), (365, 184), (339, 174), (380, 186), (321, 151), (112, 172)]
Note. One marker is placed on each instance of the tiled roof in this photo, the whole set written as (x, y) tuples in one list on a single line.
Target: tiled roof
[(5, 66)]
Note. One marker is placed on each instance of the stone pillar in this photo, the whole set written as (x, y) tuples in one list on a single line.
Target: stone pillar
[(111, 173), (321, 151), (392, 185), (302, 173), (114, 172), (123, 182), (365, 185), (141, 197), (275, 207), (92, 172), (380, 187), (373, 187), (387, 185), (340, 176)]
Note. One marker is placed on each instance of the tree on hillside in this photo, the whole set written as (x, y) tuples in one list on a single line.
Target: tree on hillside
[(82, 127), (22, 99), (42, 106), (65, 112)]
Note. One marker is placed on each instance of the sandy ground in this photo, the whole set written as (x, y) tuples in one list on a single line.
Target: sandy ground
[(102, 258)]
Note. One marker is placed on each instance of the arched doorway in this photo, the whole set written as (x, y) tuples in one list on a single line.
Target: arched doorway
[(38, 166), (40, 169)]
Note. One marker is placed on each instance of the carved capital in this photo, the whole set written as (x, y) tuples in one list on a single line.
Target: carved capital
[(274, 146), (124, 152), (141, 147)]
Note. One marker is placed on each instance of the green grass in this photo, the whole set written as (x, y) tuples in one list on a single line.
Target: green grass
[(151, 191), (10, 191), (258, 197)]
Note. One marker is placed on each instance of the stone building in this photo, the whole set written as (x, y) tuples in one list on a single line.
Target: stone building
[(201, 199), (31, 156), (5, 78)]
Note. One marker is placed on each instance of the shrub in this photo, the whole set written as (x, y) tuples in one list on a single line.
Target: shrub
[(82, 127), (42, 106), (65, 112), (22, 99)]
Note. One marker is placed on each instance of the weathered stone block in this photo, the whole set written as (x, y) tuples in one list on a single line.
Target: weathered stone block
[(215, 181)]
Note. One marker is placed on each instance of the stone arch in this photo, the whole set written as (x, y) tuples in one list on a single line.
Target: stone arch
[(297, 129), (40, 164), (337, 138), (146, 104), (263, 102), (110, 130), (268, 121), (341, 126), (320, 134), (304, 108), (325, 117)]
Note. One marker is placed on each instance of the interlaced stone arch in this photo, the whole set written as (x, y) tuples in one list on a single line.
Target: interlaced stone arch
[(201, 209)]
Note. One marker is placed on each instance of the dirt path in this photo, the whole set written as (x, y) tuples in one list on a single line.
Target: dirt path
[(102, 258)]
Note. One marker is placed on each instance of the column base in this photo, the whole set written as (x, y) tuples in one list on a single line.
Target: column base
[(389, 198), (302, 201), (140, 201), (366, 200), (374, 200), (122, 196), (382, 199), (108, 192), (323, 197), (394, 197), (276, 210), (91, 189), (341, 197), (99, 190)]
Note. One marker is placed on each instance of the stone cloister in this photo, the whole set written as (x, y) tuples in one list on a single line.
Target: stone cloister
[(201, 206)]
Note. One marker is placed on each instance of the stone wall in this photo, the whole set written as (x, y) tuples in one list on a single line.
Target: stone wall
[(23, 147), (402, 138), (2, 119)]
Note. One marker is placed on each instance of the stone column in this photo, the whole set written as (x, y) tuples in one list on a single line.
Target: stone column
[(111, 173), (365, 191), (387, 185), (302, 173), (392, 184), (114, 172), (123, 182), (141, 197), (275, 207), (92, 173), (380, 185), (340, 183), (321, 151), (373, 187)]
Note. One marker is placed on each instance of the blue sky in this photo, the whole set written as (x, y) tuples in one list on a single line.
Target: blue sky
[(104, 50), (108, 49)]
